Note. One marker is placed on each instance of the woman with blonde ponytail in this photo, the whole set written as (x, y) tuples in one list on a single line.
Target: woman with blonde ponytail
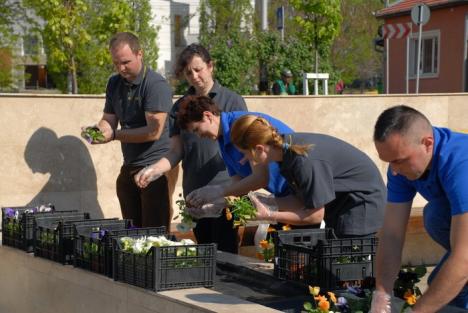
[(330, 179)]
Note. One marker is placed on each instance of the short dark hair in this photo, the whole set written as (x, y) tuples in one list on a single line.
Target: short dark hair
[(125, 38), (192, 107), (187, 55), (397, 119)]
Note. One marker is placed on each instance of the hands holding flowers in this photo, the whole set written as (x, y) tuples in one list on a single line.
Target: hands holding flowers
[(97, 135), (204, 195)]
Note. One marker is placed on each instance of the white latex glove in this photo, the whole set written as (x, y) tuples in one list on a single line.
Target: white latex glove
[(214, 209), (260, 234), (203, 195), (381, 302), (266, 206), (147, 175)]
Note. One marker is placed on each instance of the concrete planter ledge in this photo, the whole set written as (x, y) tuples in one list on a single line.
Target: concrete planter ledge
[(33, 285)]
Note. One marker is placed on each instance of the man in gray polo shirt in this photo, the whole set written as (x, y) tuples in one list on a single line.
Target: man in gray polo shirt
[(139, 100)]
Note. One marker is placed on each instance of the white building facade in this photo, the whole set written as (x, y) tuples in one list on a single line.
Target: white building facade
[(178, 23)]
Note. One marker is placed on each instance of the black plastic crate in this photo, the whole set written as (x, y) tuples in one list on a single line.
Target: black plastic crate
[(146, 231), (92, 245), (346, 261), (166, 268), (316, 257), (18, 231), (296, 253), (53, 236), (13, 229)]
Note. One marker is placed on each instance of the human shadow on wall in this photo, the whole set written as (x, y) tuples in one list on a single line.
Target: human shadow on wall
[(72, 183)]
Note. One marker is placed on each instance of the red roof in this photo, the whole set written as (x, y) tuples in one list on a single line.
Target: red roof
[(403, 7)]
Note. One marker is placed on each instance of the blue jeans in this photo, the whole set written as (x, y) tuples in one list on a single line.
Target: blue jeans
[(437, 219)]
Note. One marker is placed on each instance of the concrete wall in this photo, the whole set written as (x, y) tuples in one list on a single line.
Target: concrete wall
[(36, 285), (43, 158)]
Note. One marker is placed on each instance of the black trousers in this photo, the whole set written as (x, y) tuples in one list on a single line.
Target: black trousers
[(147, 207), (219, 231)]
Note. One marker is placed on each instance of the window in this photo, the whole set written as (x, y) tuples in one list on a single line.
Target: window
[(178, 31), (429, 61), (31, 45)]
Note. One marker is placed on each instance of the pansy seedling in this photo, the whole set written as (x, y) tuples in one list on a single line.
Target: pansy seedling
[(92, 134)]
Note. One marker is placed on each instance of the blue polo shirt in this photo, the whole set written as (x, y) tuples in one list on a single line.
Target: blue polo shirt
[(276, 184), (447, 178)]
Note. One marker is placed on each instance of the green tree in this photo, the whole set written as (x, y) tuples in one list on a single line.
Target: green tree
[(291, 53), (108, 17), (14, 21), (147, 33), (226, 30), (64, 34), (233, 36), (76, 35), (318, 22), (6, 65), (353, 53)]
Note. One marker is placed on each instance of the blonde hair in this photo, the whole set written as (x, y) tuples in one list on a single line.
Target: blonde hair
[(251, 130)]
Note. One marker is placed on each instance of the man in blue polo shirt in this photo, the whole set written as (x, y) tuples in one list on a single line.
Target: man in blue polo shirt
[(434, 162)]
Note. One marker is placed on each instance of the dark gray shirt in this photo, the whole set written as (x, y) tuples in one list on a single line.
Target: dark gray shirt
[(129, 101), (339, 177), (202, 162)]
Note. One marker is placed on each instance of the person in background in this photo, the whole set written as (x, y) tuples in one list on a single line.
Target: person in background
[(284, 86), (201, 158), (339, 88), (138, 99), (329, 179), (434, 162)]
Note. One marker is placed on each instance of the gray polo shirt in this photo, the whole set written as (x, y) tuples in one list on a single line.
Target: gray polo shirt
[(129, 101), (202, 162), (339, 177)]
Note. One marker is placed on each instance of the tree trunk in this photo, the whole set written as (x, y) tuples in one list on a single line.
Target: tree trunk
[(73, 76), (316, 60)]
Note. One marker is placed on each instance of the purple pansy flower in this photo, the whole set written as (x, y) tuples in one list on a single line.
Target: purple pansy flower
[(9, 212), (342, 305), (355, 290), (98, 234)]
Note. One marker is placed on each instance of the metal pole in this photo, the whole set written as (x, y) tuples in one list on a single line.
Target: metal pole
[(282, 23), (407, 59), (264, 15), (263, 84), (387, 57), (387, 42), (419, 50), (305, 85)]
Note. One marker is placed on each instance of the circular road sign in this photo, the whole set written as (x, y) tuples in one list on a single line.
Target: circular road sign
[(420, 14)]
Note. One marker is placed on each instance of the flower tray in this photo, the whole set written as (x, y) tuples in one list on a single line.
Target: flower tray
[(53, 236), (166, 268), (316, 257), (18, 232), (93, 247)]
